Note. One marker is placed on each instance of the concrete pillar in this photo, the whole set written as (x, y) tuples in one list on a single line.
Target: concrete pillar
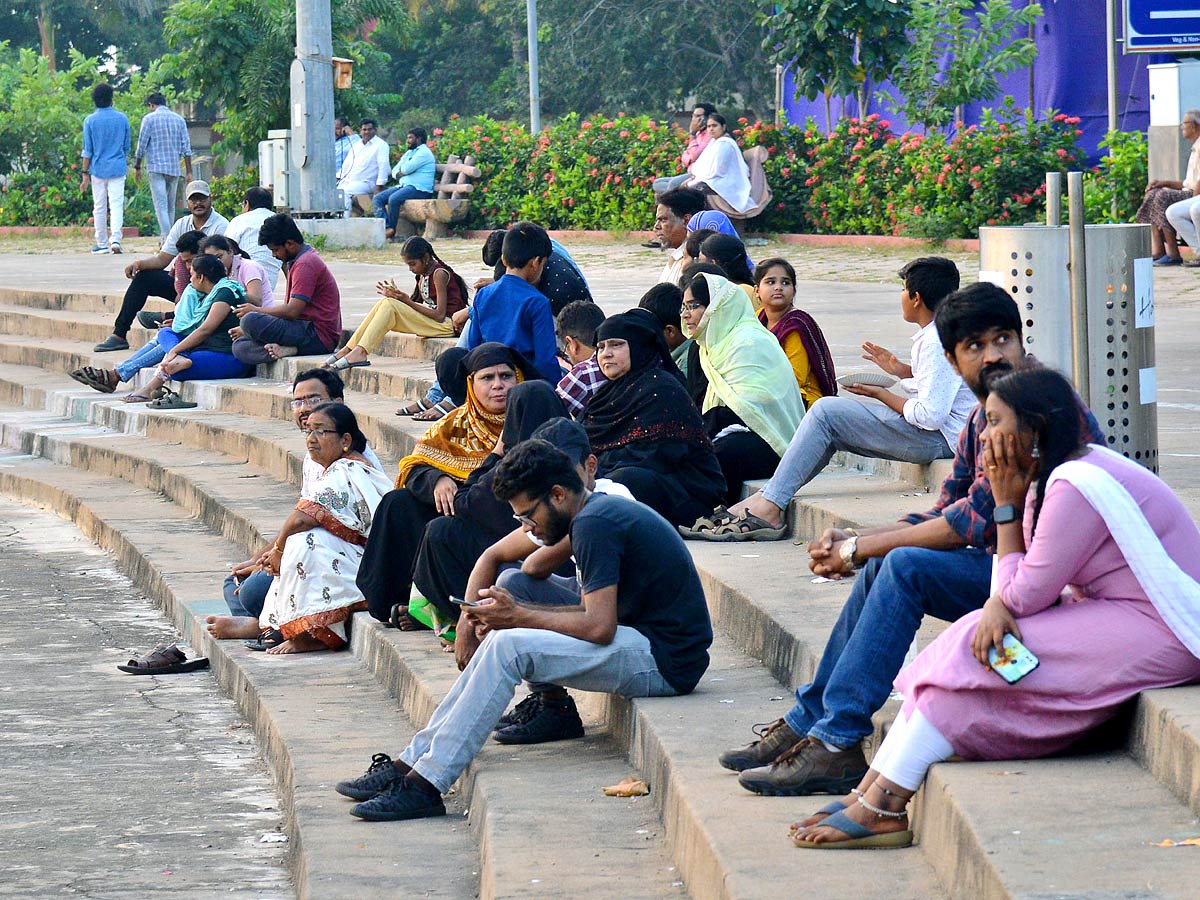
[(312, 109)]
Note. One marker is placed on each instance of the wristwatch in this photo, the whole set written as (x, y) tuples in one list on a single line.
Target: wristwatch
[(1005, 514), (846, 552)]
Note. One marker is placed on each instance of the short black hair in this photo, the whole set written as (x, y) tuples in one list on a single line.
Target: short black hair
[(579, 319), (155, 98), (532, 468), (419, 133), (345, 422), (708, 108), (933, 277), (208, 267), (728, 252), (102, 95), (258, 198), (492, 248), (371, 122), (664, 300), (695, 238), (334, 385), (189, 242), (683, 201), (523, 242), (974, 311), (278, 230)]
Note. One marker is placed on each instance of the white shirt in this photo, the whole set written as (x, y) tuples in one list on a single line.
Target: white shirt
[(244, 229), (366, 163), (938, 398), (1191, 180), (313, 469), (674, 267)]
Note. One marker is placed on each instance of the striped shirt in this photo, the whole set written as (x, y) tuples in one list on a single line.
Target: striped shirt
[(163, 141)]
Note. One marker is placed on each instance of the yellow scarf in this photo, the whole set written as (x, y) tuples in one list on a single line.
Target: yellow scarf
[(458, 442)]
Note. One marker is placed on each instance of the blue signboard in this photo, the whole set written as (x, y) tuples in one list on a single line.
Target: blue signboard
[(1152, 26)]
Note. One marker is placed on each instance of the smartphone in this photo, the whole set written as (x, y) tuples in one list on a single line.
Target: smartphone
[(461, 602), (1014, 662)]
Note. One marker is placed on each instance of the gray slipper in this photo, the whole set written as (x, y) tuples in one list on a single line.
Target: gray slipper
[(858, 837), (748, 528), (170, 400)]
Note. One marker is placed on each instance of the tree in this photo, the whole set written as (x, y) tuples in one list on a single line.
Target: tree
[(957, 55), (835, 47), (88, 26)]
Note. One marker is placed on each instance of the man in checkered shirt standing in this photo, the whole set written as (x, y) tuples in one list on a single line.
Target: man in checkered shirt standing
[(162, 142)]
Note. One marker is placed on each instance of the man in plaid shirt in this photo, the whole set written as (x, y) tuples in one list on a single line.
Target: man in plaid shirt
[(162, 142), (575, 327), (936, 563)]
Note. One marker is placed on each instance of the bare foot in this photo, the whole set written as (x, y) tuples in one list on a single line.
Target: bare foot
[(757, 505), (405, 622), (301, 643), (279, 351), (225, 628)]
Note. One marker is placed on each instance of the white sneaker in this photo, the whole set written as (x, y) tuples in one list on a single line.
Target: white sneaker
[(114, 247)]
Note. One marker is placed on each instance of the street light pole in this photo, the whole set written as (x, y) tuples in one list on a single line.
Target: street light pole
[(312, 108), (535, 93)]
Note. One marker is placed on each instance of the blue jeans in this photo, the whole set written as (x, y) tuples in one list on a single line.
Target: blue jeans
[(150, 355), (250, 597), (435, 394), (878, 623), (393, 198)]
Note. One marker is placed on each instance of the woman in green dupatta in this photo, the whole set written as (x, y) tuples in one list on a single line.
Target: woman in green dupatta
[(747, 393)]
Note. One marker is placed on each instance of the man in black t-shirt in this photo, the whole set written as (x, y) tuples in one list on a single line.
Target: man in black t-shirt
[(641, 629)]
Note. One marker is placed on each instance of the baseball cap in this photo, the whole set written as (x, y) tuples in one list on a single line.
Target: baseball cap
[(197, 187)]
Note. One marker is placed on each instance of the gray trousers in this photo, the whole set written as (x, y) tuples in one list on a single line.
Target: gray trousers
[(843, 423), (669, 183), (164, 189)]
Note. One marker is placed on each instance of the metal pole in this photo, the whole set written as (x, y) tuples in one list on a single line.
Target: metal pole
[(535, 93), (1054, 182), (1110, 36), (1079, 304), (778, 95), (312, 108)]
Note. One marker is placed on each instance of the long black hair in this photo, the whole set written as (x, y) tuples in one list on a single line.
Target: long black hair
[(345, 422), (728, 252), (416, 247), (1045, 403)]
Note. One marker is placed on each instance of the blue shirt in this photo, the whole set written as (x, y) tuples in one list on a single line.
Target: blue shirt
[(340, 148), (106, 142), (513, 312), (417, 168), (163, 140)]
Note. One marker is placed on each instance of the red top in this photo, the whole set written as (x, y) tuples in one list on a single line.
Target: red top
[(309, 279)]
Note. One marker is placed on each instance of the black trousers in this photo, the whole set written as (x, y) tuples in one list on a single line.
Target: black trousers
[(743, 456), (146, 283), (661, 493), (386, 571), (449, 550)]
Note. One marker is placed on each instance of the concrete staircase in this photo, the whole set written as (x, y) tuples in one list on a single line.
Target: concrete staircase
[(178, 496)]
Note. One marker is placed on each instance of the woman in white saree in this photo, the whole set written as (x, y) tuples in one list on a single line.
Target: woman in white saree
[(721, 168)]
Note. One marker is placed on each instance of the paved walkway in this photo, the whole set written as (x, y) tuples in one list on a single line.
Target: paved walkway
[(115, 786)]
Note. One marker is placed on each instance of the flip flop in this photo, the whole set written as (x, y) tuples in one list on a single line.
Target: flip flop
[(858, 837), (270, 637), (341, 365), (135, 398), (439, 410), (171, 400), (165, 659), (417, 406), (835, 806)]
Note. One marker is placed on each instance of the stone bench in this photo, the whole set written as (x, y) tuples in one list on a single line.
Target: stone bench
[(450, 204)]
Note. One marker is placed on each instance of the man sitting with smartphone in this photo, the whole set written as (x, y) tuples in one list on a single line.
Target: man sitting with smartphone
[(636, 635)]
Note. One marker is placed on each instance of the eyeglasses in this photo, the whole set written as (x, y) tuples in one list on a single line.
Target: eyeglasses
[(310, 400), (689, 307), (319, 432), (526, 518)]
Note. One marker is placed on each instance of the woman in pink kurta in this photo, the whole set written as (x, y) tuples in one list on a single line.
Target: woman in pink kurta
[(1106, 597)]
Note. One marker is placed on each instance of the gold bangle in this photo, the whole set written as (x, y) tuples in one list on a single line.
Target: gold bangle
[(851, 532), (277, 548)]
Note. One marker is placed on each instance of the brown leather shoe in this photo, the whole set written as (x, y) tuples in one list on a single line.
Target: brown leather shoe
[(773, 741), (808, 768)]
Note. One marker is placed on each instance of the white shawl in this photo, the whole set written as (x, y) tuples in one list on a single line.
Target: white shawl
[(1174, 593), (722, 167)]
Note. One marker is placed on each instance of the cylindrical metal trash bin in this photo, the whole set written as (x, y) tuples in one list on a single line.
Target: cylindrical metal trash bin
[(1032, 263)]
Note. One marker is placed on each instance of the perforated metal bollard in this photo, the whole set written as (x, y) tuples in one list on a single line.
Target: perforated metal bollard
[(1032, 263)]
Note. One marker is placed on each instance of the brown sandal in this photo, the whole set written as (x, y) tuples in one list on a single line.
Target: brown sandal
[(748, 528), (96, 379)]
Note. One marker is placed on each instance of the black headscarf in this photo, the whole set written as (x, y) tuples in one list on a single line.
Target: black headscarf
[(649, 402), (530, 405)]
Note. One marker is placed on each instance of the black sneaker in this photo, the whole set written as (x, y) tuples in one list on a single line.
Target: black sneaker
[(400, 801), (378, 777), (553, 721), (110, 343), (522, 712), (149, 319)]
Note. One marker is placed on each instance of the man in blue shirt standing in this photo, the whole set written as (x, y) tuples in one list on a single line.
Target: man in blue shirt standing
[(414, 174), (105, 147)]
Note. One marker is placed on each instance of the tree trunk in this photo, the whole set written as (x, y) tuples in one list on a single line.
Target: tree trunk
[(45, 23)]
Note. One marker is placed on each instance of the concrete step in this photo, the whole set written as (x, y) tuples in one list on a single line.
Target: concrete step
[(313, 725)]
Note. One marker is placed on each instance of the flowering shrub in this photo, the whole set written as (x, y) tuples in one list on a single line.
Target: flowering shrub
[(228, 190), (45, 198), (1122, 175)]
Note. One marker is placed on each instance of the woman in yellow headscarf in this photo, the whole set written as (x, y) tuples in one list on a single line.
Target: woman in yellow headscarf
[(744, 385), (443, 459)]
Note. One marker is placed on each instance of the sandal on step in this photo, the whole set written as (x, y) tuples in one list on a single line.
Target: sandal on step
[(135, 398), (417, 406), (171, 400), (267, 639), (96, 379), (858, 837), (402, 620), (165, 659), (706, 524), (748, 528), (834, 806), (340, 365), (438, 410)]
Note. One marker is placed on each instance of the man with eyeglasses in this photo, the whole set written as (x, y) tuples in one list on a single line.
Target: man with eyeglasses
[(246, 586), (638, 627)]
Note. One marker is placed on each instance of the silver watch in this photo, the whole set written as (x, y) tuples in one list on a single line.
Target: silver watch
[(847, 550)]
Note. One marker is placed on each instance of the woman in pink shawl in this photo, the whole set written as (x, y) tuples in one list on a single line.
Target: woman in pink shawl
[(1096, 576)]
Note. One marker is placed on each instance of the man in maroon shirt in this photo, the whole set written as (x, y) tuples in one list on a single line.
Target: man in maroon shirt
[(309, 321)]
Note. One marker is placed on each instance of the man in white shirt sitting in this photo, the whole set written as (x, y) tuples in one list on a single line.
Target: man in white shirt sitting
[(257, 207), (366, 166), (917, 425), (671, 216)]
